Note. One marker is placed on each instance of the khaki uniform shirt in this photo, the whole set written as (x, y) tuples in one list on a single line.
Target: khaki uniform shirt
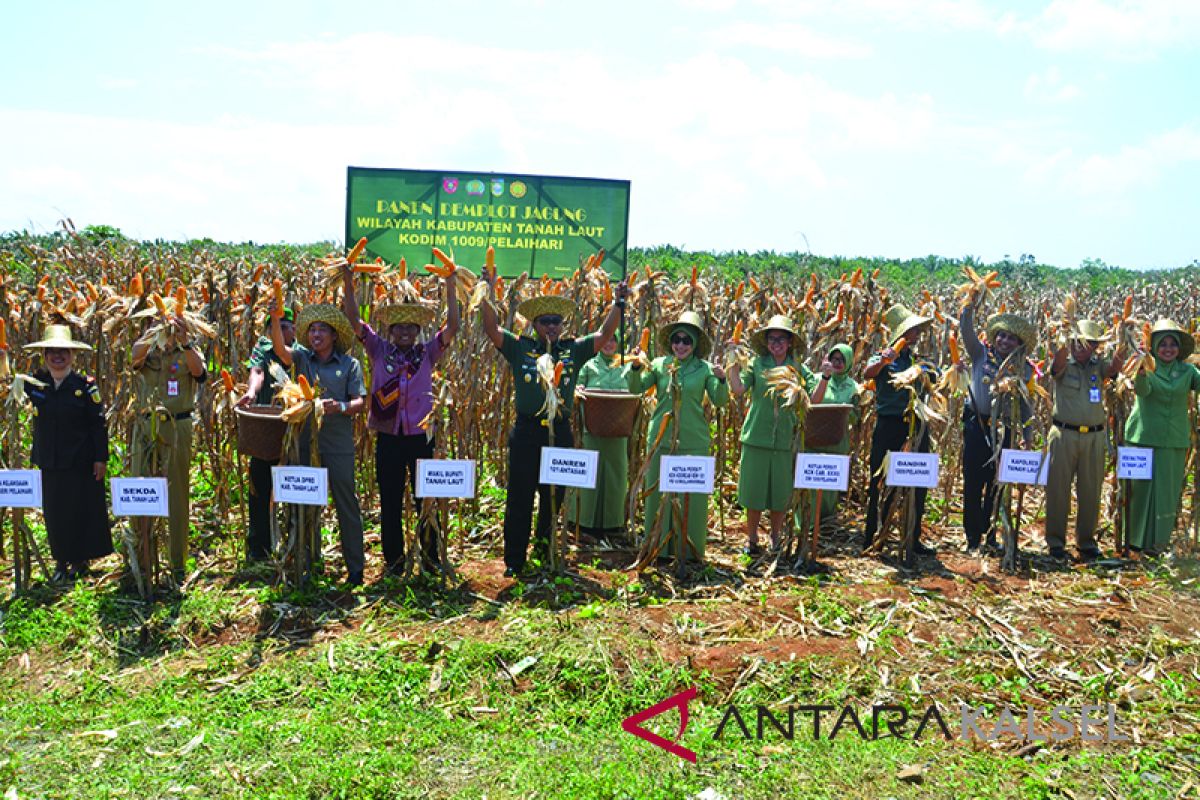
[(1073, 395)]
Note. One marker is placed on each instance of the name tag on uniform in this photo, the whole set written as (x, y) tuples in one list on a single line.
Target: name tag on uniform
[(1094, 395), (172, 388)]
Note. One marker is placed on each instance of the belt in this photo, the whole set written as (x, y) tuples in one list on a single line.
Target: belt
[(1080, 428)]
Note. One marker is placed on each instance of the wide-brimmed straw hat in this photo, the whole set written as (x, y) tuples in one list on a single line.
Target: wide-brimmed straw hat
[(692, 321), (545, 304), (403, 314), (1011, 323), (332, 316), (58, 336), (1090, 331), (1187, 345), (901, 321), (779, 322)]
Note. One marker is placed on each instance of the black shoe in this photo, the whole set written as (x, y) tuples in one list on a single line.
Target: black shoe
[(354, 579), (1088, 556), (509, 572), (1058, 554), (61, 574), (752, 550), (923, 549)]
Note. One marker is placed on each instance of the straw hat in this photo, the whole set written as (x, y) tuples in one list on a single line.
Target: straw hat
[(900, 321), (403, 314), (329, 314), (58, 336), (545, 304), (1187, 345), (689, 319), (1089, 331), (1011, 323), (779, 322)]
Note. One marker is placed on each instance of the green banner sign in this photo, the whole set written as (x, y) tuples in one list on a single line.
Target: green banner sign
[(538, 224)]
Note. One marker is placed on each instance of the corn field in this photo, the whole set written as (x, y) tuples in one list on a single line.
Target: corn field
[(109, 293)]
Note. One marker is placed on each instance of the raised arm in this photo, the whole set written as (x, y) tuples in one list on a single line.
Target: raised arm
[(349, 302), (453, 317), (487, 312), (970, 339), (277, 344), (613, 319)]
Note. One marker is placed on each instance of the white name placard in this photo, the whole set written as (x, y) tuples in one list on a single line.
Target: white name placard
[(304, 486), (566, 466), (139, 497), (1135, 463), (20, 488), (822, 471), (445, 478), (687, 474), (913, 469), (1024, 466)]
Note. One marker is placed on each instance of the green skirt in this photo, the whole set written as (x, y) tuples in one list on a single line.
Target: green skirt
[(765, 478), (603, 508), (668, 521), (1154, 504)]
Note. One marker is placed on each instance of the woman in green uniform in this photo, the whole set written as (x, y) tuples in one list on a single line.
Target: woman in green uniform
[(1160, 421), (603, 508), (765, 477), (836, 386), (683, 379)]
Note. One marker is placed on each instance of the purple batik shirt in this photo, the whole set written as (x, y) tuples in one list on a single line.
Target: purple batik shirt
[(400, 398)]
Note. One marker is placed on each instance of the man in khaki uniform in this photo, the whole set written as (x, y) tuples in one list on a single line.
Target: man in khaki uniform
[(162, 441), (1077, 442)]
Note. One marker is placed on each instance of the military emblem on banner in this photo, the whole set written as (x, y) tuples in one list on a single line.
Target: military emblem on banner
[(517, 189), (449, 185), (475, 187), (497, 186)]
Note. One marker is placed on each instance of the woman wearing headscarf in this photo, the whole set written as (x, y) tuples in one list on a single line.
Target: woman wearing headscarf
[(1160, 421), (603, 508), (836, 386), (401, 398), (70, 447), (767, 469), (683, 380)]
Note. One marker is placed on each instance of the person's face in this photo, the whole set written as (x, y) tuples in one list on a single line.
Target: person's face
[(321, 337), (1004, 343), (404, 334), (548, 327), (59, 359), (288, 329), (610, 347), (838, 362), (1082, 351), (778, 344), (1167, 350), (682, 344)]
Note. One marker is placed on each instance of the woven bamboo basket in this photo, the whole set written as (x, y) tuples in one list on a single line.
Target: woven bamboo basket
[(608, 413), (260, 432), (826, 424)]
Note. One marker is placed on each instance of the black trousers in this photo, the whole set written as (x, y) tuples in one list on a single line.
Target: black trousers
[(890, 434), (258, 539), (395, 469), (979, 479), (525, 445)]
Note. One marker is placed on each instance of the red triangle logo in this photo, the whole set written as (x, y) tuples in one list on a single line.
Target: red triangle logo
[(634, 724)]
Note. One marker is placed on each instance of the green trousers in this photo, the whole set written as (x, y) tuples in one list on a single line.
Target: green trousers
[(603, 508), (1154, 504), (173, 451), (696, 524), (1076, 463)]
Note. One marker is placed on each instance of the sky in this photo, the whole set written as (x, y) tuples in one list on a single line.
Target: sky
[(1066, 130)]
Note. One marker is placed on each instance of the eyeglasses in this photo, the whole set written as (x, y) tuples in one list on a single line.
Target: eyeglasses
[(781, 339), (548, 320), (681, 340)]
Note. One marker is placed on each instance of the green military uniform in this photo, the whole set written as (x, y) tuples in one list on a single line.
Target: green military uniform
[(767, 470), (603, 507), (841, 389), (162, 440), (1160, 421), (694, 379), (521, 353), (1077, 446)]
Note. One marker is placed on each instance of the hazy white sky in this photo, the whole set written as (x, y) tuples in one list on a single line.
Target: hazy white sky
[(1066, 129)]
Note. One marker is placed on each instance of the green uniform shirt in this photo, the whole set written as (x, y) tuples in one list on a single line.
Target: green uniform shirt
[(1160, 410), (262, 356), (1073, 392), (696, 379), (521, 353), (768, 424), (891, 401), (602, 372), (338, 378), (168, 381)]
